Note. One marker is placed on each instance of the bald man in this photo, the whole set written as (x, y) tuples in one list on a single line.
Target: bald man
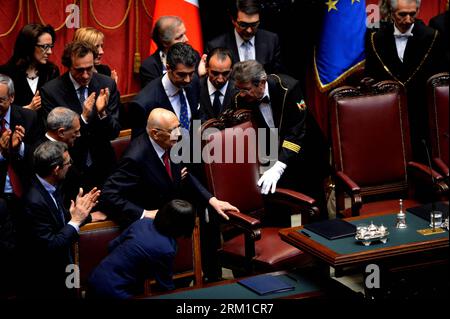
[(147, 178)]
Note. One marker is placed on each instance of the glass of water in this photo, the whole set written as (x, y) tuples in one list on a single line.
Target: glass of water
[(437, 217)]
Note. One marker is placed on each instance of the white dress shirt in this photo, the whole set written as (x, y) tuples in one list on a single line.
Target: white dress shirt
[(212, 90), (172, 93), (266, 109), (401, 40)]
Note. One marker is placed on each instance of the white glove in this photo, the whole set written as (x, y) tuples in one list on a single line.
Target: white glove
[(270, 178)]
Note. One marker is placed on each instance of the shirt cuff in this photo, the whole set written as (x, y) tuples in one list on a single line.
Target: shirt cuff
[(22, 150), (77, 228), (84, 120), (142, 216)]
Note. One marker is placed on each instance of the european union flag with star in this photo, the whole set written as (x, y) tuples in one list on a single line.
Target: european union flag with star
[(341, 46)]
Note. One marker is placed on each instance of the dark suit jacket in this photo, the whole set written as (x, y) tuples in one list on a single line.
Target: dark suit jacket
[(424, 46), (206, 109), (150, 69), (24, 94), (440, 23), (152, 96), (22, 166), (46, 241), (267, 49), (72, 182), (103, 69), (139, 253), (97, 134), (141, 182), (307, 167)]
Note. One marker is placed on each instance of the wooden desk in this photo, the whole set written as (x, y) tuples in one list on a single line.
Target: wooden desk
[(309, 285), (409, 264), (305, 287), (348, 252)]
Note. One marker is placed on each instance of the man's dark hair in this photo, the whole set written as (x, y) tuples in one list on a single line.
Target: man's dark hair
[(47, 156), (78, 49), (221, 53), (175, 219), (182, 53), (249, 7)]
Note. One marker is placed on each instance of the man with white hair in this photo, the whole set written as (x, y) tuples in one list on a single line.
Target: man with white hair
[(409, 52)]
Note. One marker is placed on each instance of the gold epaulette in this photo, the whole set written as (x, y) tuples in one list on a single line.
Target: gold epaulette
[(291, 146)]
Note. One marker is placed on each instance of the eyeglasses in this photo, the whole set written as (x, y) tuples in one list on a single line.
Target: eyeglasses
[(70, 162), (45, 47), (170, 131), (245, 90), (82, 70), (245, 25), (3, 99)]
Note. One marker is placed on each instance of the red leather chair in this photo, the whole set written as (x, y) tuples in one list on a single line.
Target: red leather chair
[(371, 149), (256, 247), (438, 121), (92, 247), (121, 143)]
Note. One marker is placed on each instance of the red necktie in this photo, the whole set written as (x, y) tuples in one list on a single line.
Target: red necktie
[(166, 161), (13, 178)]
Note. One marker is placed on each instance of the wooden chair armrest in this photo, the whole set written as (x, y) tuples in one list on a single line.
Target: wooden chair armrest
[(424, 175), (298, 203), (345, 183), (251, 226), (441, 166)]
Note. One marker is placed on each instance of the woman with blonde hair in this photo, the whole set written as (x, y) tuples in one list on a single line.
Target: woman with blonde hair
[(96, 38)]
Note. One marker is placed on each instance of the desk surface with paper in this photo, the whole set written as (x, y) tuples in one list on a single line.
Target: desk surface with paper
[(349, 252), (304, 284)]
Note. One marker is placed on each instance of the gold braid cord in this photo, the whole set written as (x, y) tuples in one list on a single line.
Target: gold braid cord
[(415, 71), (106, 26), (146, 10), (137, 55), (14, 23), (42, 20)]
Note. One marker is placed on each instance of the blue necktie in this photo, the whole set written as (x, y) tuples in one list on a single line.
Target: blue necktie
[(59, 205), (82, 94), (247, 45), (184, 118)]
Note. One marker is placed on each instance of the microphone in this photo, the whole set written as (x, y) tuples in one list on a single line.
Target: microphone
[(433, 204)]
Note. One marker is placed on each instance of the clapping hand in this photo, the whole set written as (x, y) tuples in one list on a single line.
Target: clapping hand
[(88, 106), (17, 137), (5, 141), (102, 102), (35, 102), (83, 205)]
